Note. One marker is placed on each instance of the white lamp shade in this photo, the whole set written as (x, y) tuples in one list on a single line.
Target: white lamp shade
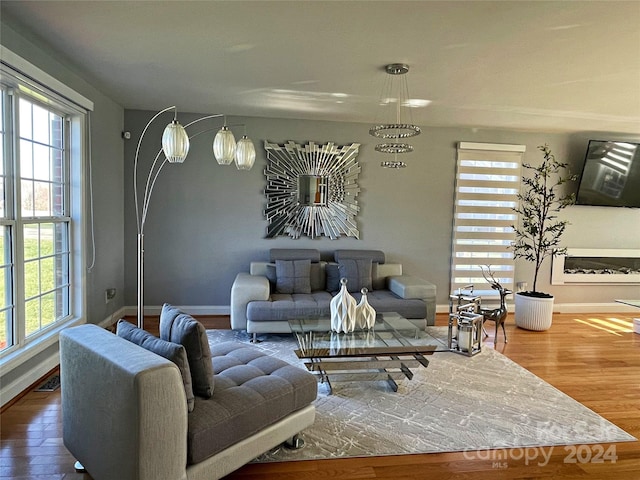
[(224, 146), (175, 142), (245, 154)]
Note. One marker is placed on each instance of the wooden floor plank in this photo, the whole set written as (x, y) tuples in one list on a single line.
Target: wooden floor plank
[(599, 368)]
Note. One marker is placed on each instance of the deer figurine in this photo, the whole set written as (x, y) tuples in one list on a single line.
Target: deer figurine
[(497, 315)]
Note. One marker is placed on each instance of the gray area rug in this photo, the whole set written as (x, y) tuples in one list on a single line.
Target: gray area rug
[(458, 403)]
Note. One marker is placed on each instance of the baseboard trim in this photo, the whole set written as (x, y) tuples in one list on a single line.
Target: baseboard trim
[(10, 392), (113, 318), (612, 307), (26, 380)]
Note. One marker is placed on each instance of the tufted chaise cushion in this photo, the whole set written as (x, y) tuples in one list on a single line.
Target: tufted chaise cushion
[(253, 390)]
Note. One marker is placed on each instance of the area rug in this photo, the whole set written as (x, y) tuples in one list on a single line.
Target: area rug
[(457, 404)]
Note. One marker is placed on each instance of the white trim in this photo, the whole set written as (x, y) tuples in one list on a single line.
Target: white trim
[(113, 318), (13, 359), (594, 308), (20, 384), (612, 307), (496, 147), (16, 62)]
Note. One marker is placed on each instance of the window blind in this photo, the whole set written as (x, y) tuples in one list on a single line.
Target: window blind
[(487, 185)]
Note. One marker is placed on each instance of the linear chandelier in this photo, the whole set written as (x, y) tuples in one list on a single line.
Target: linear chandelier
[(175, 146), (395, 91)]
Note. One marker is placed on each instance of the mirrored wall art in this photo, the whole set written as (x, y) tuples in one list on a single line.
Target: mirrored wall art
[(311, 190)]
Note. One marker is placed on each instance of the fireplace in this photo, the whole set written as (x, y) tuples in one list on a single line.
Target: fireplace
[(582, 265)]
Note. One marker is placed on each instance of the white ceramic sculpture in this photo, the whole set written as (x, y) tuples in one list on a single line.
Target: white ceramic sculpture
[(365, 313), (343, 310)]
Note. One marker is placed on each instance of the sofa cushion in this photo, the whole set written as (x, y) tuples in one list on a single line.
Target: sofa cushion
[(387, 301), (183, 329), (357, 273), (316, 276), (171, 351), (290, 306), (293, 276), (253, 391)]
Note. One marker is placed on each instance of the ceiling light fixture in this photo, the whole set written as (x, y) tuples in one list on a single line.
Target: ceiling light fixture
[(393, 164), (395, 92)]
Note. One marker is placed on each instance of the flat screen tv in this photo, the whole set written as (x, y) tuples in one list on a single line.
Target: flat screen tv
[(610, 175)]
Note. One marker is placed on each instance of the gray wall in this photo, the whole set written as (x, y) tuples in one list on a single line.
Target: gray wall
[(108, 173), (205, 222)]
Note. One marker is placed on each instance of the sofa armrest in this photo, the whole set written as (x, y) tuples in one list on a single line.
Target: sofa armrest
[(407, 286), (124, 411), (246, 288)]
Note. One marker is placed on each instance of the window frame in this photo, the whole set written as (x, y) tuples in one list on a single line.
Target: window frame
[(26, 80)]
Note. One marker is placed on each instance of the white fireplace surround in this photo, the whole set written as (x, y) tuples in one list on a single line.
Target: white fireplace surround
[(564, 270)]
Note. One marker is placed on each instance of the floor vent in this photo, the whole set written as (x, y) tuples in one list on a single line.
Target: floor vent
[(49, 385)]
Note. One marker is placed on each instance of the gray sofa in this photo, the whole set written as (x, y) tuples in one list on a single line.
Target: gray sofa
[(259, 305), (125, 411)]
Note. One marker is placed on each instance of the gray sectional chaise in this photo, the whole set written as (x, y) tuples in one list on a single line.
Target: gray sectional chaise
[(126, 410), (260, 303)]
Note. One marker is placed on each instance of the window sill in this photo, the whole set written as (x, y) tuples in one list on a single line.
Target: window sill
[(20, 355)]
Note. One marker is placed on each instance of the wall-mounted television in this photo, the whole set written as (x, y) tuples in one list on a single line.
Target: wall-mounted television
[(610, 175)]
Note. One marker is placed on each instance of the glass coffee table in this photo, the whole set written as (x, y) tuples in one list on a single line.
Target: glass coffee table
[(387, 352)]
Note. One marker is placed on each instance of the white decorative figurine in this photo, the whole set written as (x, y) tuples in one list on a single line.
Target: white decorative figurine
[(343, 310), (365, 314)]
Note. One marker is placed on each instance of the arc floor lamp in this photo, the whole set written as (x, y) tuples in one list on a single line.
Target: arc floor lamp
[(175, 147)]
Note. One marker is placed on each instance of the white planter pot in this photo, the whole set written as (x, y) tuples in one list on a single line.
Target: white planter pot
[(533, 313)]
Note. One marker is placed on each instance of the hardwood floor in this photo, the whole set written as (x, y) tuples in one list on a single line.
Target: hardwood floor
[(593, 358)]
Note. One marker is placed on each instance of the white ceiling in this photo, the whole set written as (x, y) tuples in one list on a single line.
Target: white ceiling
[(551, 66)]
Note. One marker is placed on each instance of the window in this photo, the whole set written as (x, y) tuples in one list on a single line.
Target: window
[(487, 184), (41, 212)]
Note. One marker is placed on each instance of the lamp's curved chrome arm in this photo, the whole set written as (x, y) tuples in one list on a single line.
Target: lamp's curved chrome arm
[(141, 216), (148, 189), (135, 164)]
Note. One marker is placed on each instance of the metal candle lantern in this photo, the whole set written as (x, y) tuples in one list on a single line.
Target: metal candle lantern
[(465, 322), (467, 338)]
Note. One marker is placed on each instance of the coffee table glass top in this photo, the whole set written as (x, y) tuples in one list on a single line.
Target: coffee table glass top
[(391, 333)]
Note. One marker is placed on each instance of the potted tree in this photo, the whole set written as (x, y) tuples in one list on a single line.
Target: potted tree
[(539, 233)]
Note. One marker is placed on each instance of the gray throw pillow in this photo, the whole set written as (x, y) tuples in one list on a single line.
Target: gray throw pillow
[(293, 276), (171, 351), (271, 276), (357, 273), (333, 277), (188, 332), (317, 277), (377, 282), (168, 314)]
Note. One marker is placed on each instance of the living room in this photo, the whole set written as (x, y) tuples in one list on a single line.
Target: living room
[(206, 221)]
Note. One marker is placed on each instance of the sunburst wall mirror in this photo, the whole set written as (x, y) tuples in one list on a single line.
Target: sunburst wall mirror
[(311, 190)]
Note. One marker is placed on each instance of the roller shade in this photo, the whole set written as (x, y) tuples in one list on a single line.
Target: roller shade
[(487, 185)]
